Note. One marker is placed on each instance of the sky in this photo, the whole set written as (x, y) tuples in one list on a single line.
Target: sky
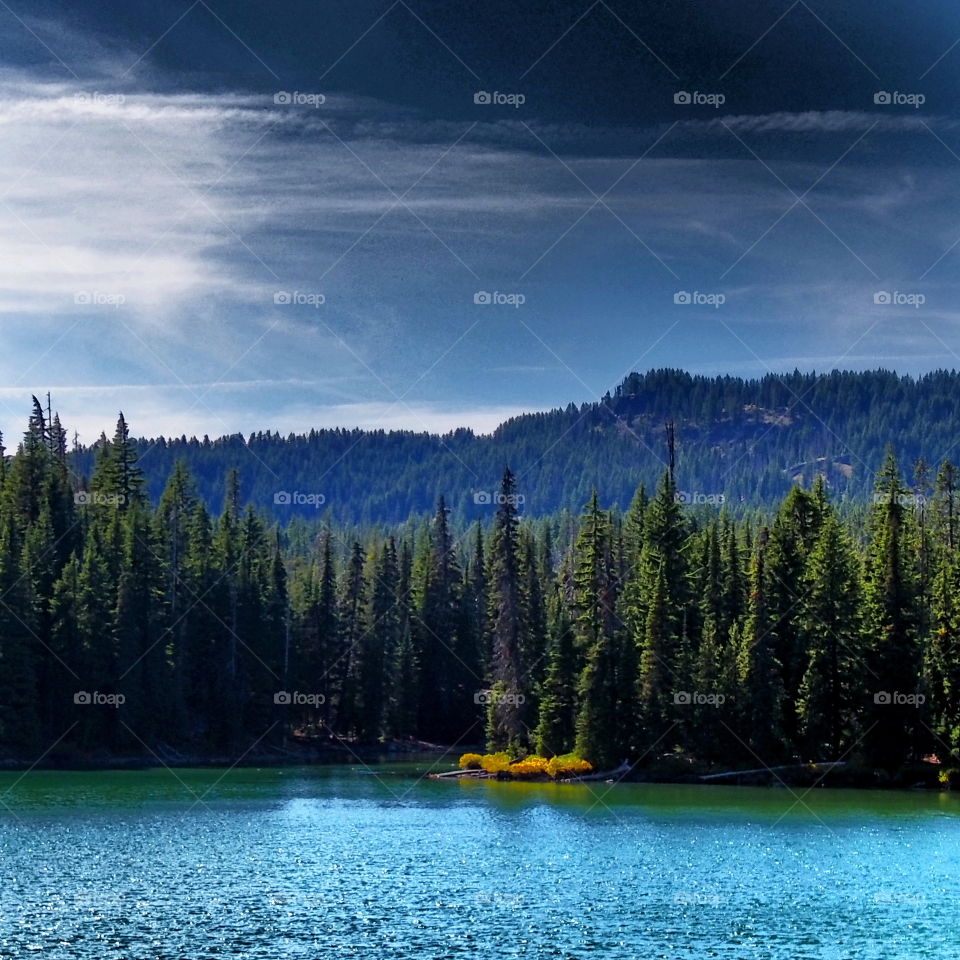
[(243, 215)]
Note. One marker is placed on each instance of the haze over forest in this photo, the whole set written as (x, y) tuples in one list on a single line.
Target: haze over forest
[(740, 442)]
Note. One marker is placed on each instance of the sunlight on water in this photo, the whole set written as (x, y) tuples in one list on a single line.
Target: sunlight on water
[(342, 862)]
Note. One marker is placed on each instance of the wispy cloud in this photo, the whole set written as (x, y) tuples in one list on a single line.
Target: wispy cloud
[(819, 121), (169, 410), (144, 236)]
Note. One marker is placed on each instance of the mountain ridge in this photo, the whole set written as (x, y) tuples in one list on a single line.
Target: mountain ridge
[(747, 440)]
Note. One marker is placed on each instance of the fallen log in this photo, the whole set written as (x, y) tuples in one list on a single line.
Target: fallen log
[(826, 767), (462, 774), (621, 771)]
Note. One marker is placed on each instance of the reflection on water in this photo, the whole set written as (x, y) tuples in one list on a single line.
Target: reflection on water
[(377, 863)]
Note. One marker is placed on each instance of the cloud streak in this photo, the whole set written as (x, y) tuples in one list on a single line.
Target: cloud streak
[(192, 210)]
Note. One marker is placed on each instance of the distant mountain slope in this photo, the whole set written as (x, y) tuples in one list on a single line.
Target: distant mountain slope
[(746, 440)]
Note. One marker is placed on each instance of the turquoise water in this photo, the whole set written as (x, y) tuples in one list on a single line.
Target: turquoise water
[(342, 862)]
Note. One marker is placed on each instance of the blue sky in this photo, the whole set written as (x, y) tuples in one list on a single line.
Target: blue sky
[(189, 233)]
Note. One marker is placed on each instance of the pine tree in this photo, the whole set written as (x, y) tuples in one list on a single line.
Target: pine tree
[(324, 665), (19, 720), (890, 624), (760, 696), (382, 640), (173, 524), (942, 662), (710, 580), (706, 719), (556, 729), (198, 659), (790, 539), (404, 666), (942, 666), (96, 596), (598, 729), (658, 662), (449, 673), (26, 484), (534, 654), (226, 646), (476, 601), (65, 648), (659, 598), (117, 477), (633, 527), (831, 633), (40, 565), (139, 635), (277, 632), (945, 507), (733, 583), (352, 636), (506, 714), (258, 633)]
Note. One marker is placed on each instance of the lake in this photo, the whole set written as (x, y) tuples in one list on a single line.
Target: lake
[(380, 863)]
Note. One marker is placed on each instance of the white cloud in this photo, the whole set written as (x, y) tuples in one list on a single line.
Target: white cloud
[(195, 208), (225, 408), (112, 197), (819, 121), (167, 199)]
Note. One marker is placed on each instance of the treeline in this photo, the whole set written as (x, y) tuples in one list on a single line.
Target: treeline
[(652, 632), (747, 440)]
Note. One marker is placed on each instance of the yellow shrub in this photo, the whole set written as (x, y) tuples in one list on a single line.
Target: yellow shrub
[(495, 762), (531, 767), (569, 765)]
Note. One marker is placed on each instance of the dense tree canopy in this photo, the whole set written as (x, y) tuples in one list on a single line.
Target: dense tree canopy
[(747, 440), (665, 631)]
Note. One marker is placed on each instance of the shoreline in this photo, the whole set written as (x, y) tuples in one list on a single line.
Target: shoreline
[(832, 774), (330, 754), (837, 775)]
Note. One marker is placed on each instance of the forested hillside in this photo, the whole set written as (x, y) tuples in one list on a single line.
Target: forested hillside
[(172, 631), (744, 440)]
